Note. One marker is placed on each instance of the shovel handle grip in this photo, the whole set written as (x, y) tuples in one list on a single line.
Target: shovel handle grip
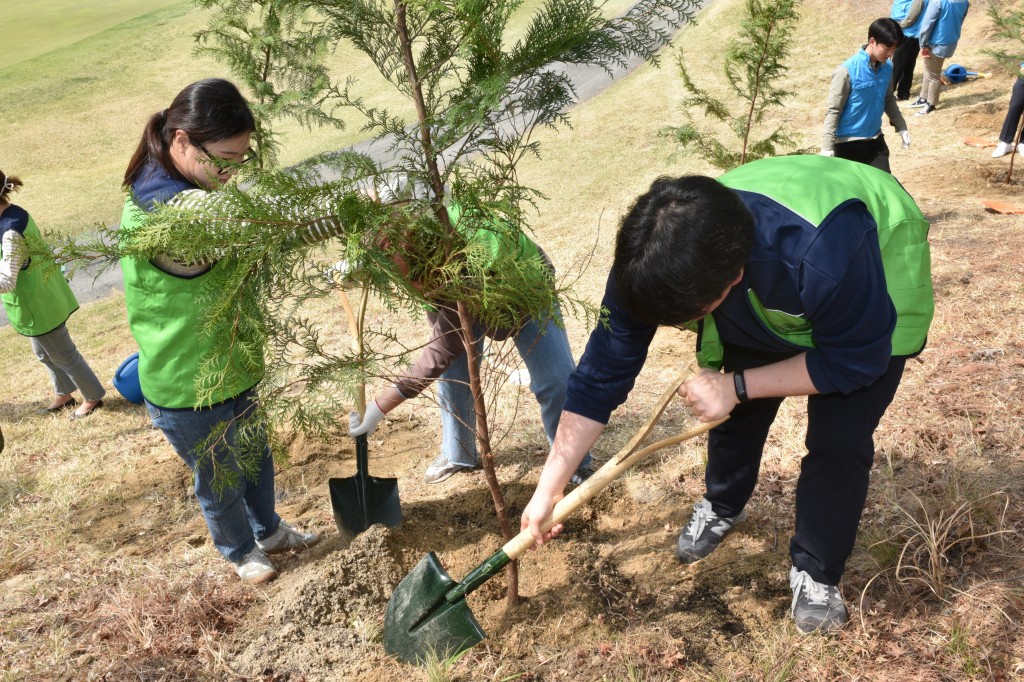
[(355, 324), (564, 508)]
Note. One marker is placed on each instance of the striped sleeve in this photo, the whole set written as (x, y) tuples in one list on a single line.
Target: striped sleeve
[(319, 228), (12, 261)]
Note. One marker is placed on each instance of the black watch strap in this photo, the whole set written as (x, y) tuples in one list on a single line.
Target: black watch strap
[(741, 386)]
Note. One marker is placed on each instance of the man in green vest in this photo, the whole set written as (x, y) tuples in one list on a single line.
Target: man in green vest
[(803, 276)]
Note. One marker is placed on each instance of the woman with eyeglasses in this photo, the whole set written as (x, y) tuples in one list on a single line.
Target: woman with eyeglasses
[(39, 301), (186, 151)]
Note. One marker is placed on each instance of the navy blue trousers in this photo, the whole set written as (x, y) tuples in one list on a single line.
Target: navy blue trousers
[(834, 474)]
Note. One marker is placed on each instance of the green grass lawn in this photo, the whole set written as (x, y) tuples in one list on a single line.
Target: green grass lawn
[(71, 115), (41, 26)]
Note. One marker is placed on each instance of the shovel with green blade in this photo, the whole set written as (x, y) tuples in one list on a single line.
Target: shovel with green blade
[(427, 613)]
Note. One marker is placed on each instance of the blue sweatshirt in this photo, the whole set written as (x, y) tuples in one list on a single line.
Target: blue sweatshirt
[(157, 185), (941, 25), (832, 275)]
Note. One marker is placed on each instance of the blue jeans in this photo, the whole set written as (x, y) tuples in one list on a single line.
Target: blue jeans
[(237, 515), (545, 350)]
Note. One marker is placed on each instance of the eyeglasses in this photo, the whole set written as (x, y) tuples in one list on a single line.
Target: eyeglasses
[(249, 156)]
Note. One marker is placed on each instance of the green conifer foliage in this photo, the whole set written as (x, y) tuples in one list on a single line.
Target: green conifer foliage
[(478, 97), (278, 56), (754, 65)]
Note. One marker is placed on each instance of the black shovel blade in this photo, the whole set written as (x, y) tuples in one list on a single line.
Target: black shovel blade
[(381, 503), (420, 622), (362, 500)]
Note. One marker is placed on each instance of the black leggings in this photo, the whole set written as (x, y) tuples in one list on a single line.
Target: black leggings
[(834, 474), (1014, 113)]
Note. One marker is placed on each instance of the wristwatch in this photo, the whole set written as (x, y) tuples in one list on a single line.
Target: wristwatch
[(741, 386)]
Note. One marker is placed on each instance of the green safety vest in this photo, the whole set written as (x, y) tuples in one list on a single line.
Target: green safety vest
[(493, 242), (164, 315), (813, 187), (42, 300)]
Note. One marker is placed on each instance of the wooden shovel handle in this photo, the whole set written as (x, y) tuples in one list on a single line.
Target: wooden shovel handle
[(659, 409), (355, 323), (624, 459)]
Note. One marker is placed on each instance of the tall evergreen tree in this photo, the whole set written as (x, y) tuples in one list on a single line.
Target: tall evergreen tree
[(478, 98), (278, 57)]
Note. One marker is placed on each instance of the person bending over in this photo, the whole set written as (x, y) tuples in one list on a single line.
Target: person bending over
[(803, 276)]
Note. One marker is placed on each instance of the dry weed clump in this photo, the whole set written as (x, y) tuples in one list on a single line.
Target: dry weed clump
[(157, 626), (927, 542)]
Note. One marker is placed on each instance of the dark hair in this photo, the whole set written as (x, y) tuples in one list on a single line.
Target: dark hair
[(208, 110), (5, 180), (886, 32), (679, 247)]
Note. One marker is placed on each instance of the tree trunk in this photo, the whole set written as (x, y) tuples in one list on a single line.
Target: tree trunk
[(472, 357)]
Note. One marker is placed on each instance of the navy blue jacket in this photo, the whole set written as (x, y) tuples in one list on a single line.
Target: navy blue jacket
[(833, 275)]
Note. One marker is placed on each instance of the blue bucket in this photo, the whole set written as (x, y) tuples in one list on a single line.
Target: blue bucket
[(126, 379)]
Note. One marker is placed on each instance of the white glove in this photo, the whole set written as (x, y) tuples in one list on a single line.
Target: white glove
[(826, 152), (344, 272), (371, 419), (905, 134)]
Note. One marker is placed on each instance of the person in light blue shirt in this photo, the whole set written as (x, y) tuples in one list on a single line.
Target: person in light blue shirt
[(940, 33)]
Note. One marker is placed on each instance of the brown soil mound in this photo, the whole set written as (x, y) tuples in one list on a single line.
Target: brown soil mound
[(321, 624)]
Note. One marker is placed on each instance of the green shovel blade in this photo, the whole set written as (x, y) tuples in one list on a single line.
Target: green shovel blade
[(420, 622)]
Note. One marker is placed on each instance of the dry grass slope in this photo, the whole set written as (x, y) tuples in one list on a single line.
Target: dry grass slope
[(107, 572)]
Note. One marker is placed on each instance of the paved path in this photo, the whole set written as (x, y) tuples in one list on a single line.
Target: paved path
[(89, 284)]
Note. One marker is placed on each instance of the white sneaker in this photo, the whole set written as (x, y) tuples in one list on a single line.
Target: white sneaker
[(1002, 149), (917, 103), (256, 568), (286, 538), (441, 470)]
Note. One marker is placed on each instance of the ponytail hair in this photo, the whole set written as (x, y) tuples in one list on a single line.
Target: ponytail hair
[(8, 184), (208, 111)]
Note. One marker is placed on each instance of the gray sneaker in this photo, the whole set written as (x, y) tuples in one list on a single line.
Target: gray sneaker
[(817, 607), (441, 470), (286, 538), (255, 568), (705, 530), (581, 474)]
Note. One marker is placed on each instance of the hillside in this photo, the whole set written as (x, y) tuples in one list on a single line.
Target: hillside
[(107, 570)]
